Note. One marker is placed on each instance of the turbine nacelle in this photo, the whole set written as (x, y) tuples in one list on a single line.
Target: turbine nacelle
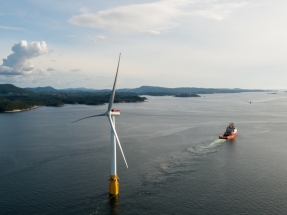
[(115, 112)]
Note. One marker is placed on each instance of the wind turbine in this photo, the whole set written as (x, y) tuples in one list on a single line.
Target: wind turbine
[(111, 114)]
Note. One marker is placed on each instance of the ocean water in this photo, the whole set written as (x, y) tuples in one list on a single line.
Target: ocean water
[(177, 164)]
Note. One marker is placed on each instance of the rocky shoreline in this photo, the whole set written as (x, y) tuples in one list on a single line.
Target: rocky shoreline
[(21, 110)]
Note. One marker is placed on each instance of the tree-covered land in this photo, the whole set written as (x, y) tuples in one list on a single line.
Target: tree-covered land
[(10, 102), (187, 95), (13, 98)]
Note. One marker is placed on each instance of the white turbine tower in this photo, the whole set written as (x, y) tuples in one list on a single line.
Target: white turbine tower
[(111, 113)]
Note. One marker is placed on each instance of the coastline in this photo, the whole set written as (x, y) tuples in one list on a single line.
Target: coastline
[(21, 110)]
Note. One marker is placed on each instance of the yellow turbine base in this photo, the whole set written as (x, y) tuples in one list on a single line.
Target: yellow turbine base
[(114, 186)]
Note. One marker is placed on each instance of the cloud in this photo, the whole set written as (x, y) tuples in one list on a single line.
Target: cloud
[(91, 78), (20, 61), (155, 17), (75, 70), (22, 79), (11, 28), (8, 71), (138, 18), (84, 10), (98, 38), (50, 69), (219, 11), (73, 82)]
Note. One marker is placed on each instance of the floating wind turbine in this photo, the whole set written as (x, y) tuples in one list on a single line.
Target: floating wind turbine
[(111, 113)]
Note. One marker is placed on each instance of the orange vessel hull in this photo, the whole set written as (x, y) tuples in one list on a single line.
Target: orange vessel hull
[(228, 137)]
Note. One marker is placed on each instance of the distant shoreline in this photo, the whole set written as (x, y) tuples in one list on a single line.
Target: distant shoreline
[(21, 110), (187, 95)]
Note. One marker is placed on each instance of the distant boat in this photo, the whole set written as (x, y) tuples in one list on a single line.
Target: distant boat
[(230, 133)]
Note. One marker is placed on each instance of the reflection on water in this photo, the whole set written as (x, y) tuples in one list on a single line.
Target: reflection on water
[(114, 203)]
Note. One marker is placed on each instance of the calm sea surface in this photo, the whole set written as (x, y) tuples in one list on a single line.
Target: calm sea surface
[(177, 165)]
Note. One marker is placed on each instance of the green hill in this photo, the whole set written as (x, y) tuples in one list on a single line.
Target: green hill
[(14, 98), (10, 89), (47, 89), (160, 91)]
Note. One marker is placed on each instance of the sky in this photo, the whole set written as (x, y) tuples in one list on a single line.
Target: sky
[(168, 43)]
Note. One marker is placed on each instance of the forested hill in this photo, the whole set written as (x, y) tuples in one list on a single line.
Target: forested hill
[(10, 89), (42, 89), (147, 90), (14, 98), (153, 90)]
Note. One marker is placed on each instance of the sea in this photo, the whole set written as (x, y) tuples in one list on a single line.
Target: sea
[(177, 164)]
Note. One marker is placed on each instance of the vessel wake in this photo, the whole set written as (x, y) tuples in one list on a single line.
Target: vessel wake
[(184, 162), (203, 149)]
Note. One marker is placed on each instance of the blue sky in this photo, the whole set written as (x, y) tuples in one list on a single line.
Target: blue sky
[(170, 43)]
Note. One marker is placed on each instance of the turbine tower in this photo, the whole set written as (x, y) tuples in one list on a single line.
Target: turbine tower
[(111, 114)]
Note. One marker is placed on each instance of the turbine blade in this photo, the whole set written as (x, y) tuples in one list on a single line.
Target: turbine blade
[(118, 141), (114, 88), (103, 114)]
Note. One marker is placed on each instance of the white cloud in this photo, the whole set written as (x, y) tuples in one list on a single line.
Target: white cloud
[(84, 10), (98, 38), (19, 79), (11, 28), (7, 70), (73, 82), (91, 78), (155, 17), (20, 61), (219, 11), (142, 18)]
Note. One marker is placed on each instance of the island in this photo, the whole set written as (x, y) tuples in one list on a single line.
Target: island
[(14, 99), (185, 95)]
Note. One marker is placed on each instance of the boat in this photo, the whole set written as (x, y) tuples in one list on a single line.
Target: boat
[(230, 133)]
